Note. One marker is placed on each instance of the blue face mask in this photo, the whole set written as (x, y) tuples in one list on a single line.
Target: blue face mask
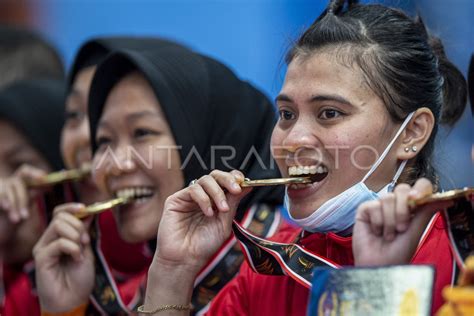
[(338, 214)]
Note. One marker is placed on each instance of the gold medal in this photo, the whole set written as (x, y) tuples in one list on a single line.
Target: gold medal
[(279, 181), (441, 196), (61, 176), (100, 207)]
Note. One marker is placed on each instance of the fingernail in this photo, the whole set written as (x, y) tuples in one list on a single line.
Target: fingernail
[(224, 205), (235, 186), (77, 207), (413, 193)]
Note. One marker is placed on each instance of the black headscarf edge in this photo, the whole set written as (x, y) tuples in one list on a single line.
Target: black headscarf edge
[(35, 107), (95, 50), (110, 72), (120, 63)]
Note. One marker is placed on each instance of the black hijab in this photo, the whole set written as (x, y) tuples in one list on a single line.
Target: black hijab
[(95, 50), (36, 107), (205, 105)]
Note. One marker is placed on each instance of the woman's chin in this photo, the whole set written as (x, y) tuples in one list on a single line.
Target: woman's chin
[(133, 233), (138, 221), (300, 213), (303, 210)]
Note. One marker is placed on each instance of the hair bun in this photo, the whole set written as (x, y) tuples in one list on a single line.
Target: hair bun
[(454, 85), (336, 6)]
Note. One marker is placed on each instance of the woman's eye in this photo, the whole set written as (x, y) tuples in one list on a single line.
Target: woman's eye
[(142, 132), (72, 115), (329, 114), (102, 141), (286, 115)]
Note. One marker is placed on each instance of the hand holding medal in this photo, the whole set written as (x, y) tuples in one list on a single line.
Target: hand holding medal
[(65, 260), (387, 231)]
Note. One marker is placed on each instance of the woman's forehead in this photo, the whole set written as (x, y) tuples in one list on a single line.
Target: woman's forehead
[(131, 107), (131, 94), (322, 73)]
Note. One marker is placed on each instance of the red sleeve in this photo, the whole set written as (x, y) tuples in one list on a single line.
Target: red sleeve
[(19, 299), (233, 298), (435, 250)]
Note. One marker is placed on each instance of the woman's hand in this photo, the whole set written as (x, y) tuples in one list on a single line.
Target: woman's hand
[(387, 231), (195, 223), (198, 219), (14, 194), (64, 261)]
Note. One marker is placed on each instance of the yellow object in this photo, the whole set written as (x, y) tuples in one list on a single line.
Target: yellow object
[(280, 181), (467, 277), (441, 196), (459, 294), (409, 304), (78, 311), (99, 207), (460, 299), (62, 176)]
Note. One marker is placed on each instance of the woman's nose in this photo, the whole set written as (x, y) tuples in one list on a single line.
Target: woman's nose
[(83, 135), (120, 160), (301, 136)]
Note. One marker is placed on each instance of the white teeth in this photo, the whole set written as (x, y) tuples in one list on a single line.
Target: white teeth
[(291, 170), (134, 192), (299, 170), (141, 200), (298, 186)]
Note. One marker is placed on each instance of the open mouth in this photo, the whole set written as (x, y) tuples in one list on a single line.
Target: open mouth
[(138, 194), (316, 173)]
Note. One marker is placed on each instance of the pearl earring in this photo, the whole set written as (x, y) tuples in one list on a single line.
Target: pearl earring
[(414, 149), (407, 149)]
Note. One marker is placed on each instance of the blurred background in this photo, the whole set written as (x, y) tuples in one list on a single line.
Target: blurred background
[(250, 36)]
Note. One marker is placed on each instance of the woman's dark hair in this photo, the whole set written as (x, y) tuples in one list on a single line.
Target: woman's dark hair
[(25, 54), (405, 66)]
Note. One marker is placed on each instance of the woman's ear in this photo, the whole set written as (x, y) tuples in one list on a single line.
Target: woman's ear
[(416, 134)]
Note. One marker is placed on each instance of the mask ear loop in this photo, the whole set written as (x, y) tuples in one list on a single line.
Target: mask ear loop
[(385, 152), (391, 186)]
